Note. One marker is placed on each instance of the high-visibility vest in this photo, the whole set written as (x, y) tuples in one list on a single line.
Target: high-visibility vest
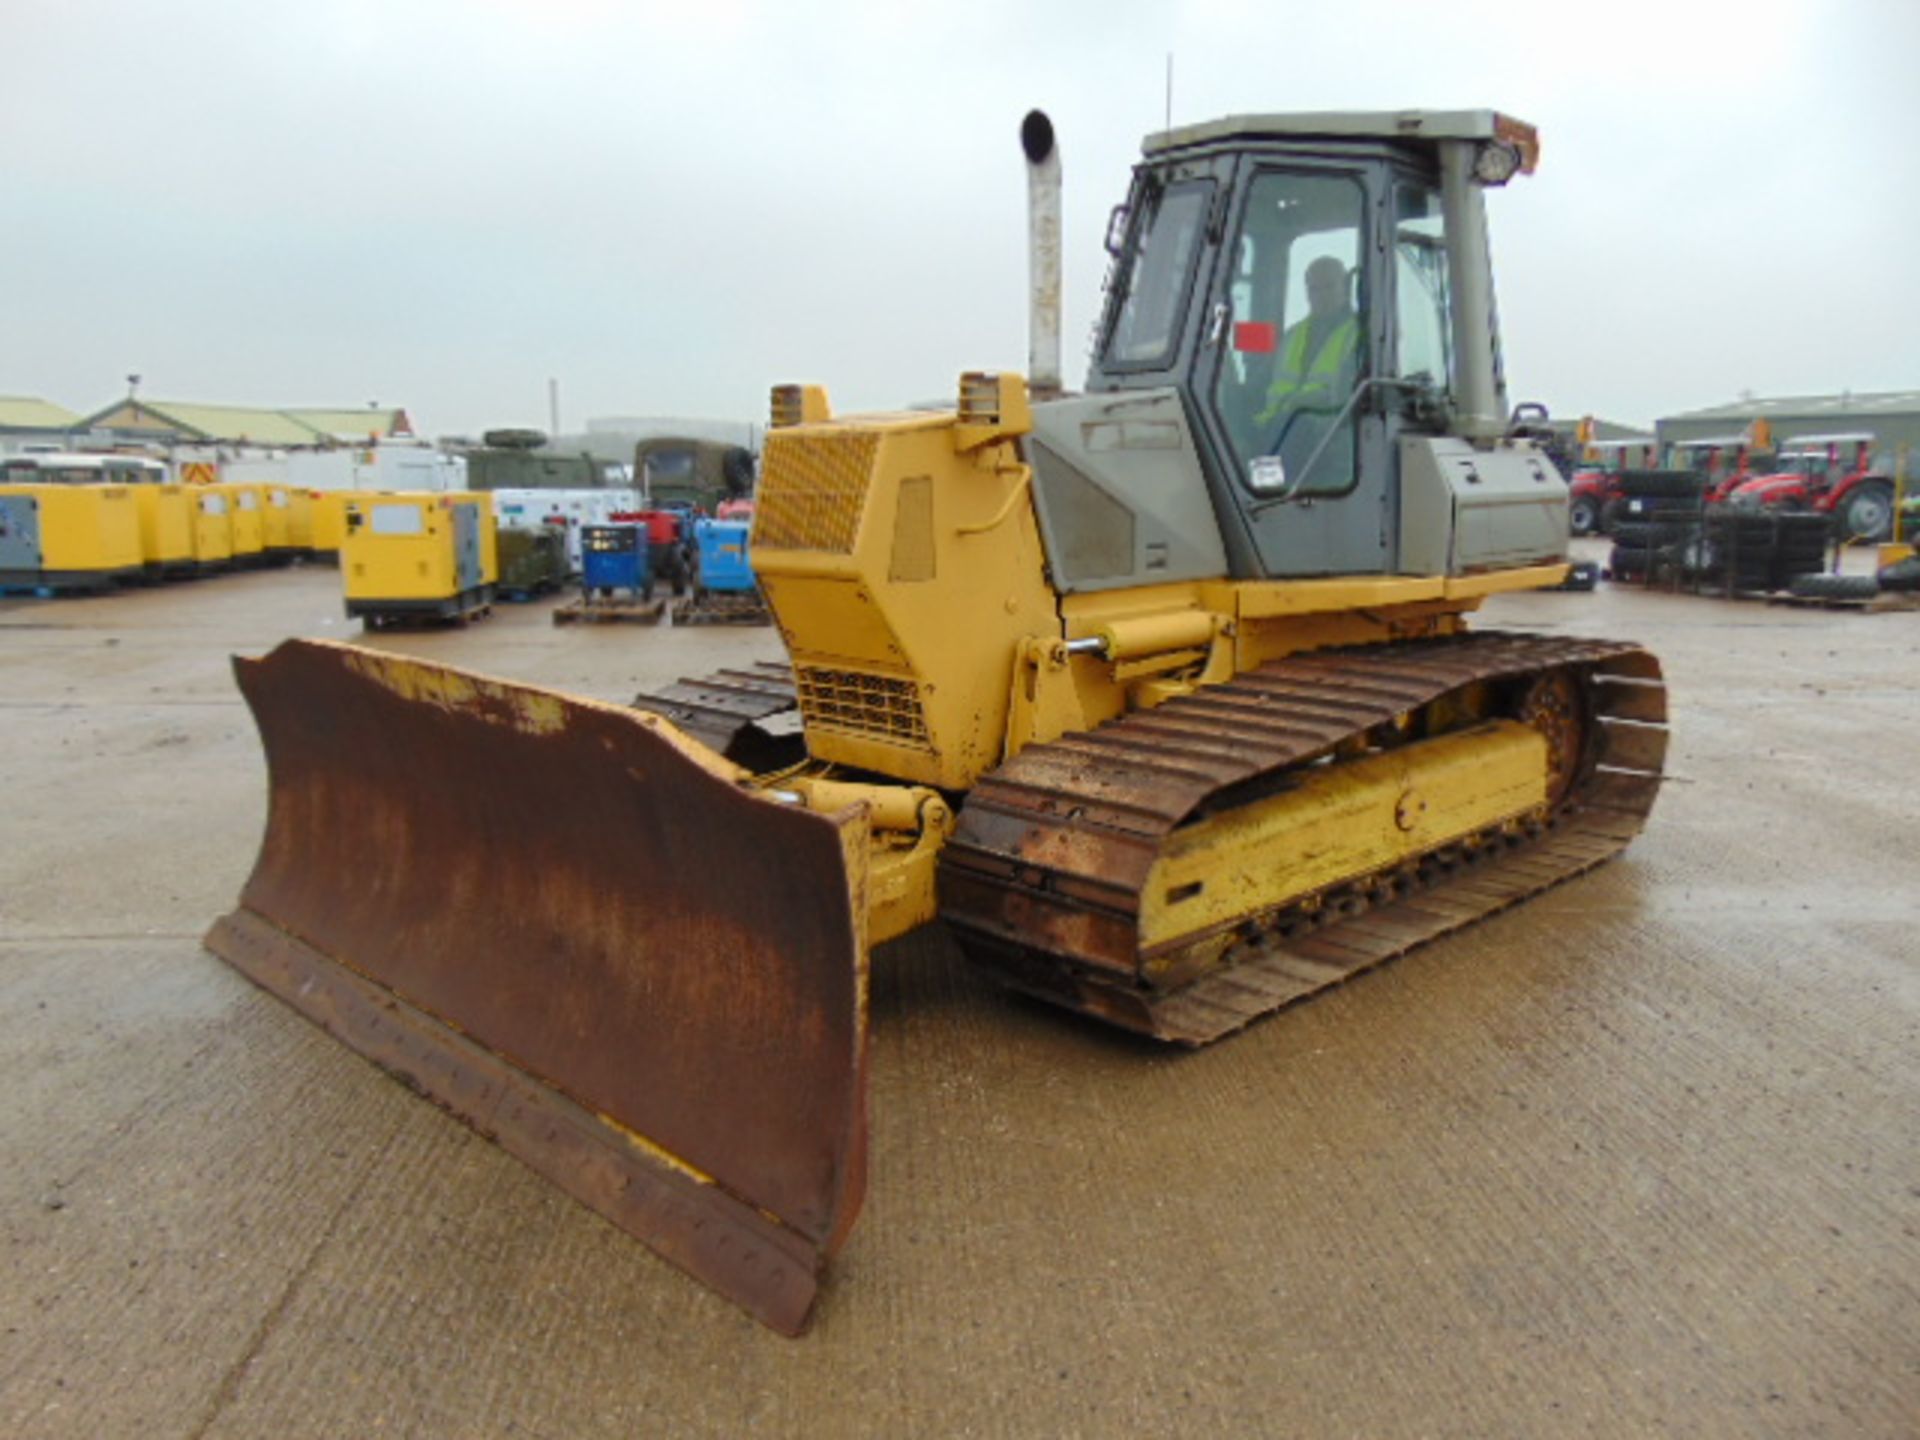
[(1304, 382)]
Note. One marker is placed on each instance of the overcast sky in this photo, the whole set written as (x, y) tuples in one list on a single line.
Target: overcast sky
[(669, 207)]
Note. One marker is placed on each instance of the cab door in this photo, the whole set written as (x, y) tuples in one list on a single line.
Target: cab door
[(1294, 326)]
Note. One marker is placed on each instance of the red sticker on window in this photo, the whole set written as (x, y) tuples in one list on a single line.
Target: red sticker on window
[(1256, 337)]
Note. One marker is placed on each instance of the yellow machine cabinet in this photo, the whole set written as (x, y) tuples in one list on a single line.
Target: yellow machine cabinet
[(245, 504), (166, 528), (418, 556), (68, 537), (212, 527), (300, 520), (276, 523), (329, 509)]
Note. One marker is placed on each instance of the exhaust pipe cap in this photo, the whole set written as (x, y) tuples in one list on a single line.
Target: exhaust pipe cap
[(1036, 136)]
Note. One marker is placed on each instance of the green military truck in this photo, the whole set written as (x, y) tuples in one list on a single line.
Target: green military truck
[(520, 460), (675, 473)]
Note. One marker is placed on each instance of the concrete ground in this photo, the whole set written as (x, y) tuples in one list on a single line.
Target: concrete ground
[(1642, 1156)]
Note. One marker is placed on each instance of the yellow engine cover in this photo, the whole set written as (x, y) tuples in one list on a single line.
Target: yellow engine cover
[(904, 572)]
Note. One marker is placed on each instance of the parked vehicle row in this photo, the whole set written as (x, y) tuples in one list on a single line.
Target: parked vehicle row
[(1828, 475)]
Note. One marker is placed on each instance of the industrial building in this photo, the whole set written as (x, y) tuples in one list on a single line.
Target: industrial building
[(27, 421), (176, 423), (1891, 417)]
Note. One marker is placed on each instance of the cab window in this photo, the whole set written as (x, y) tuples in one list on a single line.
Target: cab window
[(1152, 299), (1298, 337), (1420, 288)]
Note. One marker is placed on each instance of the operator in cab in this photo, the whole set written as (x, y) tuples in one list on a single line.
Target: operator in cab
[(1316, 370)]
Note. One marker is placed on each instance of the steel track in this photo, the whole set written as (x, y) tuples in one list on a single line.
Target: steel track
[(1042, 881)]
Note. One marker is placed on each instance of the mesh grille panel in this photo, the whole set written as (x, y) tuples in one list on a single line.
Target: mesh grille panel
[(813, 491), (856, 703)]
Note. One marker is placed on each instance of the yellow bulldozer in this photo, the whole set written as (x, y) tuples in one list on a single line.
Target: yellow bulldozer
[(1160, 695)]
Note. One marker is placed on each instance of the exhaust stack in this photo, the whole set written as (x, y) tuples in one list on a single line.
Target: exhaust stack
[(1043, 255)]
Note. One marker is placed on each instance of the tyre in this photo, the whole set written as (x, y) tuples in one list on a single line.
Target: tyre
[(514, 439), (1583, 515), (1902, 575), (1630, 562), (1662, 484), (1788, 568), (1836, 587), (1648, 534), (1813, 529), (1867, 512)]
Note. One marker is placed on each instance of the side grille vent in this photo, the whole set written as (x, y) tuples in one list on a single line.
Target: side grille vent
[(854, 702), (813, 492)]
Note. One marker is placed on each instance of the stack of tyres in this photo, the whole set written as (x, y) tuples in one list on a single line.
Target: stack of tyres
[(1800, 546), (1752, 550), (1657, 524), (1738, 550)]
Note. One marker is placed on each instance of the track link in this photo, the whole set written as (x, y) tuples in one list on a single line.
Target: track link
[(723, 710), (1042, 880)]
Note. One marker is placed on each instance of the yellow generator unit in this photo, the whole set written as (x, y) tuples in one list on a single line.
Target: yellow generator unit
[(300, 520), (1163, 696), (418, 556), (329, 522), (212, 528), (68, 537), (276, 524), (245, 505), (166, 528)]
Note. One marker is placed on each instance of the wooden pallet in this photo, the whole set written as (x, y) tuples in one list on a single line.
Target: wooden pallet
[(1882, 603), (600, 612)]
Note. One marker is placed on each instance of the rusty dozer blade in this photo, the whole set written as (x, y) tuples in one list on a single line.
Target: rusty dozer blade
[(568, 924)]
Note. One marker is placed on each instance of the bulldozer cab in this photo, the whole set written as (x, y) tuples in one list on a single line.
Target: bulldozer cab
[(1294, 279)]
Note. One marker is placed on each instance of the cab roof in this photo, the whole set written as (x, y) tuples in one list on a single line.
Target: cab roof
[(1402, 125)]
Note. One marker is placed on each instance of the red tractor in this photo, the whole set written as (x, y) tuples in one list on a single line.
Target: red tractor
[(1594, 491), (1726, 461), (1829, 474)]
